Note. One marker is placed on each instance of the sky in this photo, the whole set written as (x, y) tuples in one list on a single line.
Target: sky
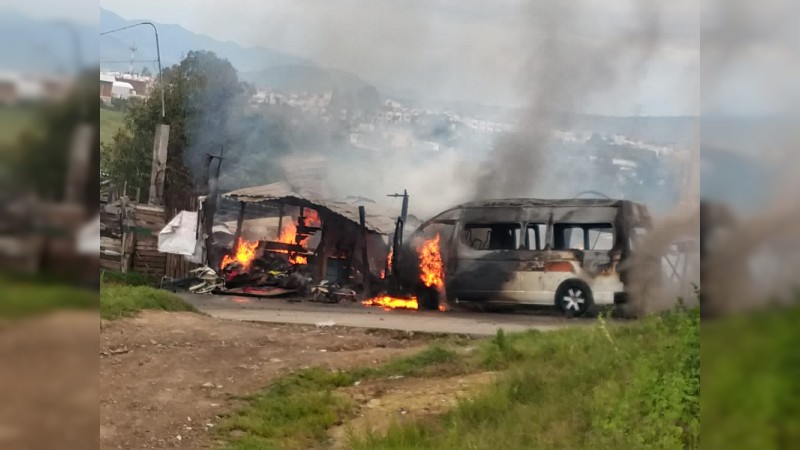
[(79, 11), (457, 50)]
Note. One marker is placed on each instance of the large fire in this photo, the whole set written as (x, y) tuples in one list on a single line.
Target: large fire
[(431, 267), (245, 253), (431, 270)]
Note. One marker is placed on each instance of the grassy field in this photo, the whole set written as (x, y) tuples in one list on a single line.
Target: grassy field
[(129, 278), (751, 381), (118, 300), (30, 296), (623, 386), (110, 122), (12, 121)]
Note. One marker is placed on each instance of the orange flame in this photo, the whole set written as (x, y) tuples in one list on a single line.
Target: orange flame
[(387, 302), (312, 218), (245, 253), (288, 233), (431, 274), (430, 264), (389, 259)]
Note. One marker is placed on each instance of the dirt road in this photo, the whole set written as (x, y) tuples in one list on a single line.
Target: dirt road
[(165, 378), (355, 315)]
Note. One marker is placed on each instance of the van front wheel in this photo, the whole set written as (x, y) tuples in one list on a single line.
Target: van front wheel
[(574, 298), (428, 298)]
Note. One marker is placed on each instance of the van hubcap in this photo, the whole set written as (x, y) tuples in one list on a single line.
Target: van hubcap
[(574, 300)]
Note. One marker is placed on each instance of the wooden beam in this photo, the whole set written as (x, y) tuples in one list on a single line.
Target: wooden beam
[(159, 167), (239, 224), (366, 273)]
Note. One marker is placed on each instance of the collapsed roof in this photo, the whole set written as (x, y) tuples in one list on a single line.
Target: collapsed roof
[(282, 193)]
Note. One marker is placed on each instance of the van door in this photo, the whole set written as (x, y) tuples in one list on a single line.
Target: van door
[(488, 254), (528, 283), (591, 243)]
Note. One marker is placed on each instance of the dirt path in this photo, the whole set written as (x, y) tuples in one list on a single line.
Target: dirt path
[(384, 402), (48, 382), (166, 377)]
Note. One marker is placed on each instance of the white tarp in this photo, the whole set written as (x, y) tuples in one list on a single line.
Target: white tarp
[(179, 236), (89, 238)]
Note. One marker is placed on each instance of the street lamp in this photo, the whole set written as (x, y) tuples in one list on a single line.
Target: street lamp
[(158, 53), (161, 140)]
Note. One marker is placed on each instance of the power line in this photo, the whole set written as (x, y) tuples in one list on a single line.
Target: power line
[(158, 53), (120, 29), (128, 61)]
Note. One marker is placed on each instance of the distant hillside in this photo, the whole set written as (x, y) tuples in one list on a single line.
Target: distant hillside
[(260, 66), (175, 42), (304, 78), (680, 130)]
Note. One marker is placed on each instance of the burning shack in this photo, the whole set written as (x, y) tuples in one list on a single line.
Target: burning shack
[(302, 237)]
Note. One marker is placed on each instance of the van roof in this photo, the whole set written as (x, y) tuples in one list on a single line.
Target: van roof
[(523, 202)]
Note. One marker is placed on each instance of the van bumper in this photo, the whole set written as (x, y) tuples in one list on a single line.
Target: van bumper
[(621, 298)]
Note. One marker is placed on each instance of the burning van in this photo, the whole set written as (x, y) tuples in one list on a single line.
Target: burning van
[(566, 253)]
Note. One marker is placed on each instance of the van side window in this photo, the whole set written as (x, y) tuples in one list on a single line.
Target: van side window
[(590, 236), (496, 236), (536, 235)]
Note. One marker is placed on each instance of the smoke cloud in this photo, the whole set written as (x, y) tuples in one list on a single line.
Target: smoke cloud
[(751, 130), (565, 66)]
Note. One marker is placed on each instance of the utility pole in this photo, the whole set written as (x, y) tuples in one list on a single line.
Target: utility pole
[(397, 242), (404, 209), (210, 204)]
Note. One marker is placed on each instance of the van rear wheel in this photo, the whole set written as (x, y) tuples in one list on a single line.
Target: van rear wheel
[(574, 298)]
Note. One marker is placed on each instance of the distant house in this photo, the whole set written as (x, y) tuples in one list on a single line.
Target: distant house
[(141, 85), (122, 89), (18, 87), (8, 91), (106, 87)]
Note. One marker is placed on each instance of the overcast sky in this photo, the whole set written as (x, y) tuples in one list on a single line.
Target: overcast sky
[(454, 49)]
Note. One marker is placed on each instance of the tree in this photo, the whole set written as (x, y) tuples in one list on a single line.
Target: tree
[(41, 159), (199, 93), (145, 72)]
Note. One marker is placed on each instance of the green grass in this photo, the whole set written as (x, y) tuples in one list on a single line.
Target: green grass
[(608, 386), (111, 121), (129, 278), (118, 301), (634, 386), (28, 297), (297, 410), (751, 381)]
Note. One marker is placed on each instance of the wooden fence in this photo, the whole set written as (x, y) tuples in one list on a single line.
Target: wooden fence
[(129, 239)]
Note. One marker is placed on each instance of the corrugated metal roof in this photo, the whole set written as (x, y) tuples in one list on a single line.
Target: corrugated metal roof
[(282, 192)]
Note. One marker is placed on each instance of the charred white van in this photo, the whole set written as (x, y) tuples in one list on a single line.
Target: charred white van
[(566, 253)]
